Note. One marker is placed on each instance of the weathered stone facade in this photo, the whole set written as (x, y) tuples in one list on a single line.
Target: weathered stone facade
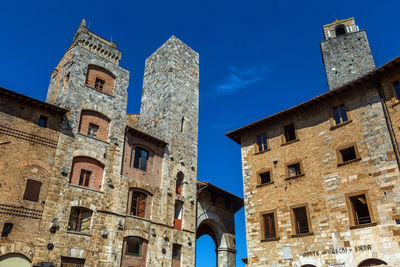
[(325, 182)]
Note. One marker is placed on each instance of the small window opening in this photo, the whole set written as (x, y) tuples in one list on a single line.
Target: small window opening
[(84, 179), (134, 246), (294, 169), (92, 130), (348, 154), (290, 133), (339, 114), (397, 88), (32, 190), (182, 124), (99, 84), (301, 220), (178, 215), (340, 30), (269, 225), (176, 252), (397, 221), (42, 121), (141, 157), (79, 220), (66, 80), (262, 142), (138, 205), (360, 209), (6, 229), (265, 177), (179, 181)]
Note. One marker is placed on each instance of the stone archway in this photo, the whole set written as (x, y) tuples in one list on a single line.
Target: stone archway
[(14, 259), (216, 210)]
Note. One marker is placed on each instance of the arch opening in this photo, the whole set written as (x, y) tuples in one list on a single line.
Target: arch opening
[(371, 262), (14, 259), (340, 30)]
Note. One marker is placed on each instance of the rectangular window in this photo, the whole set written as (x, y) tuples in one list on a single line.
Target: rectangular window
[(140, 161), (339, 114), (265, 177), (138, 205), (72, 262), (134, 246), (178, 215), (269, 225), (6, 229), (262, 142), (290, 133), (84, 179), (397, 88), (300, 220), (42, 121), (294, 169), (79, 220), (99, 84), (360, 209), (176, 255), (32, 190), (347, 154), (92, 130)]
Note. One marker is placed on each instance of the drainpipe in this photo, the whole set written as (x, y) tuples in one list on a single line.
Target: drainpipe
[(377, 82)]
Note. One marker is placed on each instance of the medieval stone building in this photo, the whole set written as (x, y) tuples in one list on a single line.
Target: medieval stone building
[(85, 184), (321, 179)]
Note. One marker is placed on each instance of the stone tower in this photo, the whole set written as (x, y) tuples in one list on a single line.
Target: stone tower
[(170, 111), (345, 52)]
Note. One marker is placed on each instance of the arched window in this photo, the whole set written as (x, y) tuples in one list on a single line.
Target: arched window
[(87, 172), (94, 124), (79, 220), (179, 181), (134, 251), (372, 262), (340, 30), (139, 158), (100, 79), (139, 203)]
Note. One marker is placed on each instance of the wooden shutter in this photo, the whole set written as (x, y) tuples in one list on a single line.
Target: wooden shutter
[(142, 205), (32, 190)]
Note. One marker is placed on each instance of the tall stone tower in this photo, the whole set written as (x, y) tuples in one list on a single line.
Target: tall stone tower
[(345, 52), (170, 111)]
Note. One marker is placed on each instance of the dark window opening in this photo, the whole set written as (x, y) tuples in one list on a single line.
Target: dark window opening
[(141, 157), (178, 215), (294, 169), (269, 225), (360, 210), (6, 229), (176, 251), (134, 246), (301, 220), (84, 179), (99, 84), (348, 154), (179, 181), (265, 177), (262, 142), (138, 204), (290, 133), (397, 88), (72, 262), (92, 130), (42, 121), (79, 220), (339, 114), (182, 123), (32, 190), (340, 30)]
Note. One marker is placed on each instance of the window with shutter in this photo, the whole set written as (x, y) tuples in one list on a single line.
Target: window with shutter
[(138, 204), (32, 190)]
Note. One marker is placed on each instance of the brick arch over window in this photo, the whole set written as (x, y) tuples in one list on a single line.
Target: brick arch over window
[(87, 172), (134, 251), (100, 79), (139, 203), (94, 124)]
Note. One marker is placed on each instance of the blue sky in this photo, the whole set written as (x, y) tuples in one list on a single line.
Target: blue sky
[(256, 58)]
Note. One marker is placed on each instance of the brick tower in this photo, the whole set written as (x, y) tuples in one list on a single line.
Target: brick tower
[(345, 52), (170, 111)]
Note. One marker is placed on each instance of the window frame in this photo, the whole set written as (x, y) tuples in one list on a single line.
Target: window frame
[(92, 130), (179, 183), (85, 179), (339, 156), (350, 209), (293, 220), (264, 145), (263, 231), (43, 119), (146, 200), (99, 84), (140, 247), (178, 220), (290, 163), (133, 158), (332, 120), (179, 247), (79, 220), (259, 178), (30, 196), (283, 136)]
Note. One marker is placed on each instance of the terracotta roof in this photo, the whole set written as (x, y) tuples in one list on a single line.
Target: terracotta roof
[(32, 101), (146, 136), (236, 134)]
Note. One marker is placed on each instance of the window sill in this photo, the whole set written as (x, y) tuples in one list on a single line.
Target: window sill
[(340, 125), (78, 233), (261, 152), (104, 93), (137, 217), (86, 188), (261, 185), (348, 162), (271, 239), (362, 225), (93, 138), (303, 234), (290, 142), (294, 177)]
